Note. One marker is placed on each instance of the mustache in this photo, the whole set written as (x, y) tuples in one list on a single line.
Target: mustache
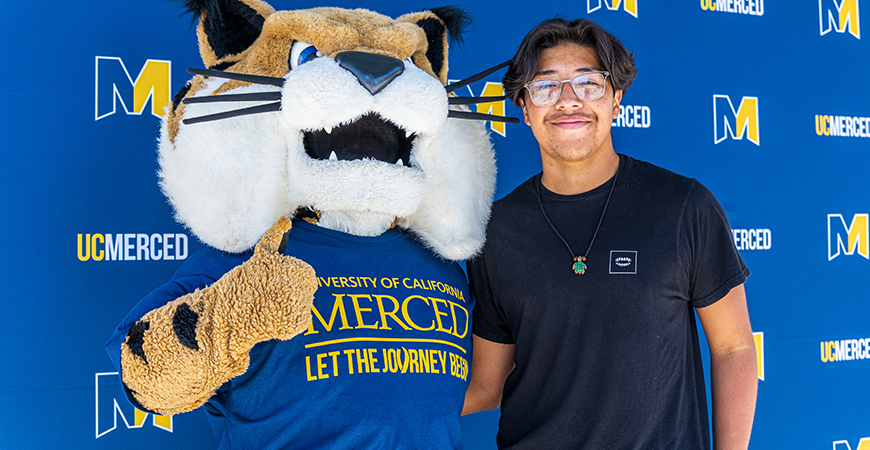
[(559, 115)]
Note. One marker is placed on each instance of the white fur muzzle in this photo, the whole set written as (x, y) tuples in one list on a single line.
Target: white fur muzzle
[(230, 179)]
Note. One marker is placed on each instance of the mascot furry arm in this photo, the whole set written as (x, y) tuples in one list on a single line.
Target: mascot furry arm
[(199, 341), (341, 112)]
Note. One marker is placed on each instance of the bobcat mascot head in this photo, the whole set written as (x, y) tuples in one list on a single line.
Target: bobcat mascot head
[(341, 112)]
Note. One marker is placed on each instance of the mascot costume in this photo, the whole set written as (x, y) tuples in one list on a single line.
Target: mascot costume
[(321, 161)]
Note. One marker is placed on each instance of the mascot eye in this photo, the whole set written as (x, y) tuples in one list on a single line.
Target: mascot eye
[(302, 53)]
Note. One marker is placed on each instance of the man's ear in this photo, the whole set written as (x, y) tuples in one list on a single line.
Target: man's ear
[(525, 114), (227, 27), (617, 98)]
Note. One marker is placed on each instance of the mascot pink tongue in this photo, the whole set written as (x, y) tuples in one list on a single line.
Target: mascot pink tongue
[(319, 159)]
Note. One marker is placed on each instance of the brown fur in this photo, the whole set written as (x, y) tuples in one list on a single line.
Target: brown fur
[(270, 295), (331, 30), (267, 297)]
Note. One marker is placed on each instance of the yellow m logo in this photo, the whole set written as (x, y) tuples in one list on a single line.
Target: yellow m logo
[(839, 17), (630, 6), (110, 406), (114, 83), (863, 444), (848, 239), (735, 124), (759, 353)]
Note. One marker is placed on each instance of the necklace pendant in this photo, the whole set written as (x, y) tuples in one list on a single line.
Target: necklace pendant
[(580, 265)]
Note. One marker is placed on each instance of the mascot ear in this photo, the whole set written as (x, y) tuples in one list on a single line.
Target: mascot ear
[(227, 27), (439, 24)]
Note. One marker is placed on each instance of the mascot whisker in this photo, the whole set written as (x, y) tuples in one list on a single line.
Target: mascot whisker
[(335, 181)]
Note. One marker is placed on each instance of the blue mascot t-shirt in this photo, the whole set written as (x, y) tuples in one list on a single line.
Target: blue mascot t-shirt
[(384, 363)]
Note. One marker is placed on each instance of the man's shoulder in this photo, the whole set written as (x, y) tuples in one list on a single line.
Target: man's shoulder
[(652, 177), (513, 210), (641, 168), (662, 188), (520, 198)]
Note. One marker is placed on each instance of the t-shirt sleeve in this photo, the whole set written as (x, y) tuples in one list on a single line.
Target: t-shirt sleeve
[(489, 319), (202, 269), (157, 298), (713, 265)]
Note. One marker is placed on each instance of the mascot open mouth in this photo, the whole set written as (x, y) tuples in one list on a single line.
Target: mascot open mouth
[(369, 137)]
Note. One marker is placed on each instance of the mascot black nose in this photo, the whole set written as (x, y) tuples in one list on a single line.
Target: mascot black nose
[(373, 71)]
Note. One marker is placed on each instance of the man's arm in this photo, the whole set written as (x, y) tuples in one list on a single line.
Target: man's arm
[(733, 369), (491, 364)]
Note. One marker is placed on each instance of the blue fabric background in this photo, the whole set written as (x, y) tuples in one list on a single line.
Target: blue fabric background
[(65, 174)]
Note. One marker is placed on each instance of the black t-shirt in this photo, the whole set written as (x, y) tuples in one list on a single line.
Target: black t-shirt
[(608, 359)]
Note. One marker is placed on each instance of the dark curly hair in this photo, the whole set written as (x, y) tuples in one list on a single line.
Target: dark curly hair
[(552, 32)]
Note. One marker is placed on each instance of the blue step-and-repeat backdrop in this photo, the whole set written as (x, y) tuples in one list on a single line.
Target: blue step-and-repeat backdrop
[(766, 102)]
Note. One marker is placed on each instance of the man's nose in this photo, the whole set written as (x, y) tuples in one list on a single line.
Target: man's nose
[(373, 71), (568, 96)]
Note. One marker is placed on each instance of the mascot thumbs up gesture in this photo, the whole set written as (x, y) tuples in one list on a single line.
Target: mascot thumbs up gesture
[(206, 335), (319, 159)]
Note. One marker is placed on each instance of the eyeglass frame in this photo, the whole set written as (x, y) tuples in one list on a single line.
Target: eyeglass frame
[(561, 82)]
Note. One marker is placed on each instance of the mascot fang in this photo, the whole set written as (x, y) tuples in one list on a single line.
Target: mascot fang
[(347, 325)]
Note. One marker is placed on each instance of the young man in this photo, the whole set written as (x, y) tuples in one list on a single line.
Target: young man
[(587, 288)]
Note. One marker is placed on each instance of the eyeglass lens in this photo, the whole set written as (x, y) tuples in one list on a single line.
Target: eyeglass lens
[(587, 86)]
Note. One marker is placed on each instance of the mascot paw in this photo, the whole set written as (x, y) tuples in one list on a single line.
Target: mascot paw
[(280, 288), (176, 356)]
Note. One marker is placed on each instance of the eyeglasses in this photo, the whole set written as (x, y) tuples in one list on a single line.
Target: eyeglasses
[(587, 86)]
